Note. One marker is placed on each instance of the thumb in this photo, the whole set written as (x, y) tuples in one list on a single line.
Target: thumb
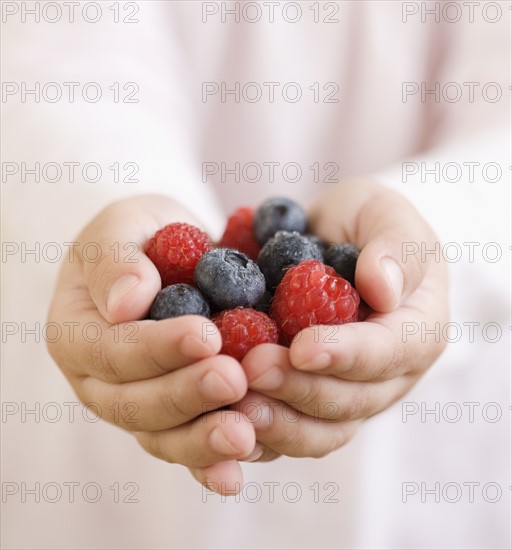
[(390, 267), (390, 233), (122, 280)]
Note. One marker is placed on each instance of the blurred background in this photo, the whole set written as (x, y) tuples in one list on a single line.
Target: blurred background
[(196, 100)]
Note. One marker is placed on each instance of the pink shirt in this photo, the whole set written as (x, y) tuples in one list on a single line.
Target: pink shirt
[(372, 89)]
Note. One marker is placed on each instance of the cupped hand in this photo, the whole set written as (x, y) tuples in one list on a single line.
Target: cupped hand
[(310, 399), (133, 371)]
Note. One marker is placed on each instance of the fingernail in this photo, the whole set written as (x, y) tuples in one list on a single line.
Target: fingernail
[(321, 361), (271, 379), (220, 444), (395, 277), (256, 453), (120, 289), (214, 386)]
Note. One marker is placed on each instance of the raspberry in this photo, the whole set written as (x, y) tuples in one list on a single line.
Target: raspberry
[(177, 300), (278, 214), (175, 251), (243, 328), (239, 233), (311, 293)]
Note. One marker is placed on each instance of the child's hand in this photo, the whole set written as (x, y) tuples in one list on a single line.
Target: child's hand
[(134, 369), (347, 373)]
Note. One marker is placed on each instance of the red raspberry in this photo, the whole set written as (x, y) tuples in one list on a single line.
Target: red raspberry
[(242, 329), (312, 293), (175, 250), (239, 234)]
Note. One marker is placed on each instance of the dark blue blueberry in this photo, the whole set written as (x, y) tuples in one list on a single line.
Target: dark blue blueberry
[(229, 278), (264, 302), (283, 251), (177, 300), (343, 258), (278, 214), (322, 245)]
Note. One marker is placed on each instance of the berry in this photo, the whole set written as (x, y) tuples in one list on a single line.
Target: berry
[(363, 311), (278, 214), (175, 251), (229, 278), (312, 294), (239, 233), (343, 257), (322, 245), (243, 328), (264, 302), (283, 251), (177, 300)]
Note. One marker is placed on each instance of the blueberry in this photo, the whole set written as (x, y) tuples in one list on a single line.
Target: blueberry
[(264, 302), (343, 258), (278, 214), (318, 241), (177, 300), (283, 251), (229, 278)]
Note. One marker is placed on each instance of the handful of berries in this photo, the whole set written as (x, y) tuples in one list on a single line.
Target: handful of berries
[(264, 282)]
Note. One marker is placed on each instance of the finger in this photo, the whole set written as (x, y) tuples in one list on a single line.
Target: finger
[(387, 229), (347, 354), (270, 372), (214, 437), (121, 279), (152, 348), (224, 478), (167, 401), (381, 347), (385, 274), (290, 432), (128, 351)]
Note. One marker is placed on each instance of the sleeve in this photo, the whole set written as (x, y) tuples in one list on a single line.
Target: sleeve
[(96, 107), (463, 173)]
